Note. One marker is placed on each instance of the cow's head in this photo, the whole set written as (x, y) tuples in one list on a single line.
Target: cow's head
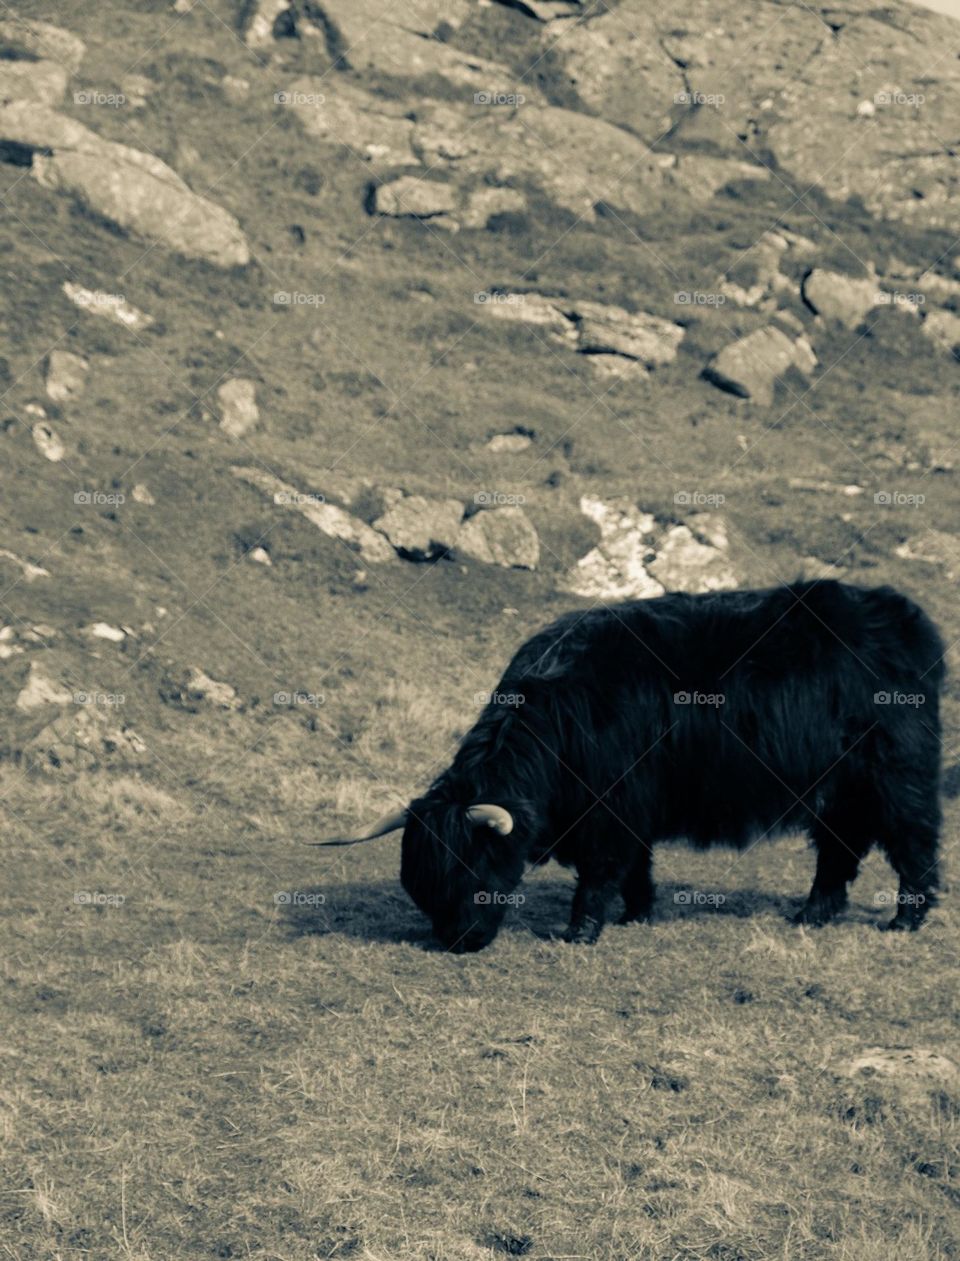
[(460, 865)]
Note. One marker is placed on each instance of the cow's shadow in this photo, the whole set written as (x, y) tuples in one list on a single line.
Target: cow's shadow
[(380, 910)]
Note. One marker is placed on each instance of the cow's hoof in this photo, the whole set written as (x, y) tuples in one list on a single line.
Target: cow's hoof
[(583, 934), (816, 913), (639, 917), (901, 924)]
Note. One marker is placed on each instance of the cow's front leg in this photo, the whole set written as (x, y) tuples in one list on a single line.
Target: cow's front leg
[(591, 901)]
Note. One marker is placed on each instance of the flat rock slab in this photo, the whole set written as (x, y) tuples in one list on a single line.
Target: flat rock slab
[(419, 198), (335, 522)]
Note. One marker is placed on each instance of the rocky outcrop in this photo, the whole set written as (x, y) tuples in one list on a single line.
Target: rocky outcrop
[(593, 328), (638, 557)]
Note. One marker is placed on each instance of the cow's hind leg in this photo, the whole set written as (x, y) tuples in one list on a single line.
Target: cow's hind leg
[(912, 845), (841, 841), (637, 888)]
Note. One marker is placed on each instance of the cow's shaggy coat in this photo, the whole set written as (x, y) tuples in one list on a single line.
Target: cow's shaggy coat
[(724, 717)]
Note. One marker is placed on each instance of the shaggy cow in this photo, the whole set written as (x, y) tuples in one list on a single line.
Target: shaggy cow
[(724, 717)]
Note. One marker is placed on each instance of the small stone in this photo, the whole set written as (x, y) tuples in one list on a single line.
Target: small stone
[(103, 630), (109, 306), (48, 442), (943, 329), (239, 413), (500, 536), (40, 690), (934, 547), (141, 495), (28, 570), (235, 89), (260, 555), (509, 443), (66, 375), (411, 196), (199, 687)]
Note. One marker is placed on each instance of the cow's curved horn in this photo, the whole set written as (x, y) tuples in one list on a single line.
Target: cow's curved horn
[(389, 823), (493, 816)]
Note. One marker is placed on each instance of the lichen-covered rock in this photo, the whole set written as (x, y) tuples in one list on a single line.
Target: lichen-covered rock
[(616, 569), (685, 563), (500, 536)]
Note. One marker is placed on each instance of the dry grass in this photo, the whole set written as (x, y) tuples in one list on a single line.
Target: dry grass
[(204, 1072)]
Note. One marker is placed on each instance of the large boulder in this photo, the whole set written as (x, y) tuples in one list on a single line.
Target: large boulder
[(687, 563), (500, 536), (751, 366), (38, 82), (421, 529), (132, 189), (612, 330), (835, 296)]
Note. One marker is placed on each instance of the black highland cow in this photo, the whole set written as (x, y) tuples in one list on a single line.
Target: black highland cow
[(717, 718)]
